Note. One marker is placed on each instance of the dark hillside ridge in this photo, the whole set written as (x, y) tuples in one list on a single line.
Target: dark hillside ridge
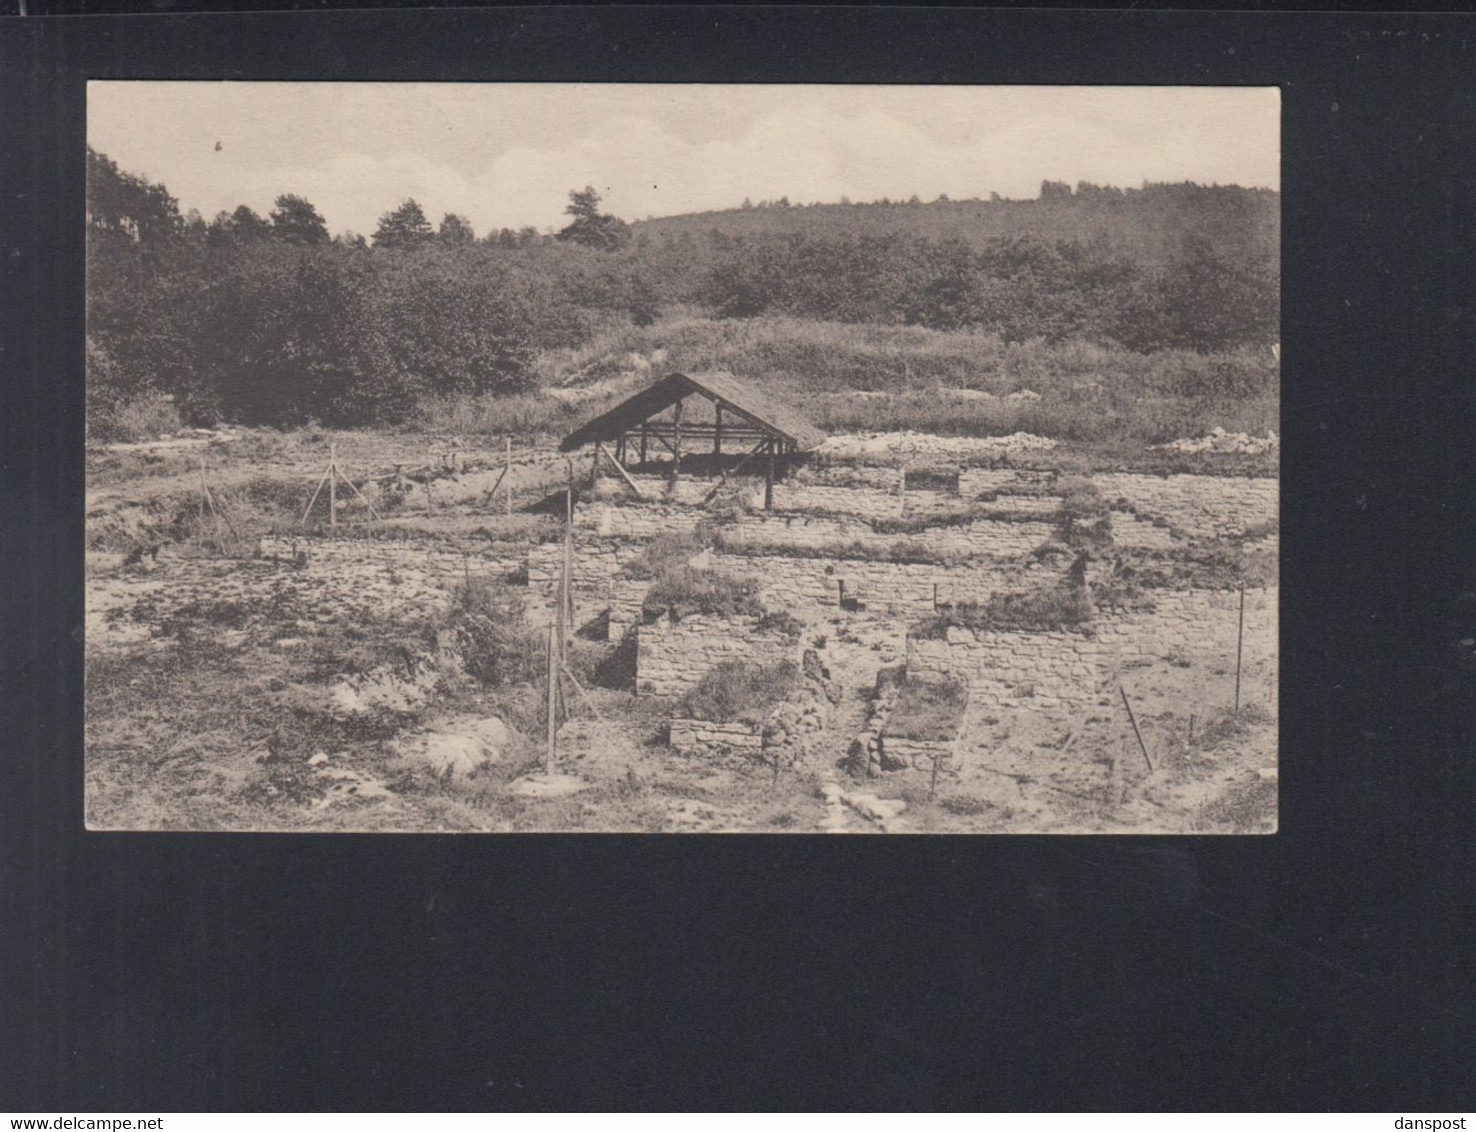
[(1147, 224)]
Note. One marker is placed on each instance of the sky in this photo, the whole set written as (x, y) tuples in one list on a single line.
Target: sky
[(507, 154)]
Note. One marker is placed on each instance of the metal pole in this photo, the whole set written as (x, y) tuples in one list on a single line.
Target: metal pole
[(1239, 643), (1141, 745)]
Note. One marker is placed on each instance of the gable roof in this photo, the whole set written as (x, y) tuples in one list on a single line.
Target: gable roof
[(734, 394)]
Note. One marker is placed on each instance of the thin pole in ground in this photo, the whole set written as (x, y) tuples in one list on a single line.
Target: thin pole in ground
[(568, 595), (1239, 643), (548, 756), (507, 474), (333, 483), (1141, 745)]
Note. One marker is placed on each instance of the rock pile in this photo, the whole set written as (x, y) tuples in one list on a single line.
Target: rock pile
[(911, 445), (1219, 440)]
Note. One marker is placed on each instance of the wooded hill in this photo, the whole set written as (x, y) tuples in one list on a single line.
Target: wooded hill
[(1148, 224)]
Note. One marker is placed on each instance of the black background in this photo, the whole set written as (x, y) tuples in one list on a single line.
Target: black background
[(1328, 966)]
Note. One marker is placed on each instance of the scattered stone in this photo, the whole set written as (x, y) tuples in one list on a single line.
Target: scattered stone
[(318, 759), (875, 809)]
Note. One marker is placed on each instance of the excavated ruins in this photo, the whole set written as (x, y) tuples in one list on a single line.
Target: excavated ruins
[(1077, 627)]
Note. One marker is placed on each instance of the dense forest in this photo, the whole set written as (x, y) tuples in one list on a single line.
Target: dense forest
[(274, 320)]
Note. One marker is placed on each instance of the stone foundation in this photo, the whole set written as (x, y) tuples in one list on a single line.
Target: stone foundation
[(1061, 669), (1197, 506), (673, 655), (700, 735)]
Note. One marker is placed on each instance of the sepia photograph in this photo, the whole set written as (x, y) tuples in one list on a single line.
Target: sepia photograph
[(682, 458)]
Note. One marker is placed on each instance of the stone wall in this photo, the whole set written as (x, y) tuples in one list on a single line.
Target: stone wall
[(798, 584), (1005, 669), (1133, 533), (1201, 624), (974, 482), (983, 538), (699, 735), (673, 655), (1199, 506), (1068, 670), (918, 754)]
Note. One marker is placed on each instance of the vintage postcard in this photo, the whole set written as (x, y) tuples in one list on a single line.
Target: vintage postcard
[(682, 458)]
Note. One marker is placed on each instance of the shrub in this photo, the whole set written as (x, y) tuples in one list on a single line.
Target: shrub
[(928, 711), (487, 626), (739, 690), (684, 590), (668, 551), (146, 416), (1059, 606)]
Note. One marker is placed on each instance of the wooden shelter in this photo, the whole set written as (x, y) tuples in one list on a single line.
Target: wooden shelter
[(745, 419)]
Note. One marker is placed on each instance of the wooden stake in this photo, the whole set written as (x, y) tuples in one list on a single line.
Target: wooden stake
[(1239, 643), (619, 467), (1141, 745), (567, 613), (676, 442), (548, 757), (769, 480), (507, 474), (643, 443), (333, 483), (717, 434), (578, 687), (733, 471), (308, 509)]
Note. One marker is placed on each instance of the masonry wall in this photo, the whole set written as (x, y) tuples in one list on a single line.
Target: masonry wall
[(1008, 669), (673, 655), (1199, 506), (1067, 670), (973, 482), (1201, 624), (699, 735), (797, 584)]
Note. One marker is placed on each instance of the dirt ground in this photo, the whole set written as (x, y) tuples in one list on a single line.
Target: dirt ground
[(284, 676)]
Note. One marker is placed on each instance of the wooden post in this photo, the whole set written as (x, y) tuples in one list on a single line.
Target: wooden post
[(676, 442), (333, 483), (643, 443), (507, 474), (1141, 745), (548, 756), (306, 511), (717, 432), (1239, 643), (902, 491), (769, 480), (568, 598)]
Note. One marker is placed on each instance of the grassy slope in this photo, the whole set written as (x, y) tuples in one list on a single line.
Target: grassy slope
[(1087, 392)]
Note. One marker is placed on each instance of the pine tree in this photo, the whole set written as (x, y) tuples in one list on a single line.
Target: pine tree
[(296, 221), (404, 227)]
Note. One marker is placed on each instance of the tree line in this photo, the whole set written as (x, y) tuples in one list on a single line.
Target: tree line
[(272, 319)]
